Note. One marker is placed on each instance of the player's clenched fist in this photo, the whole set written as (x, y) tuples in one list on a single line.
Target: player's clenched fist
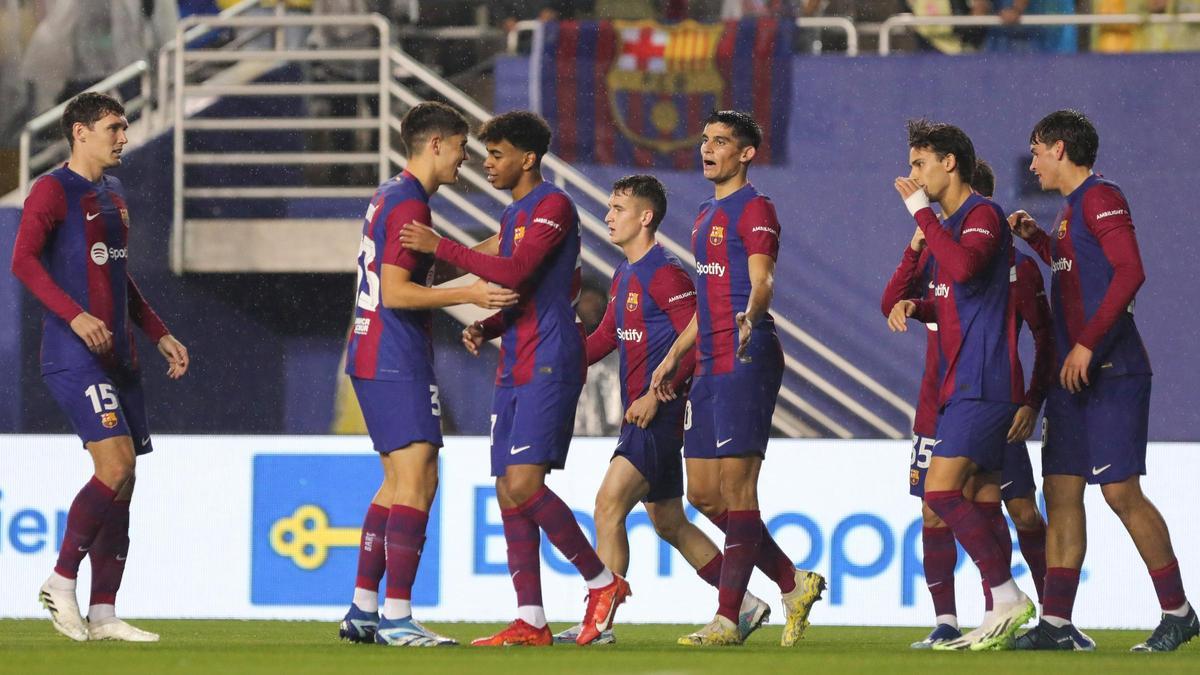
[(898, 318), (488, 296), (419, 237), (912, 193), (93, 332), (175, 354), (1022, 224), (472, 338), (745, 328)]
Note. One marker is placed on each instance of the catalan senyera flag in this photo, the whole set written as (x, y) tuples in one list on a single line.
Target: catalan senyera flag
[(636, 93)]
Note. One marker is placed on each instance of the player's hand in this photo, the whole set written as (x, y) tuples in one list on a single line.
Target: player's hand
[(1074, 375), (918, 241), (175, 354), (1022, 424), (898, 318), (472, 338), (488, 296), (660, 379), (745, 328), (93, 332), (912, 193), (1022, 224), (418, 237), (642, 411)]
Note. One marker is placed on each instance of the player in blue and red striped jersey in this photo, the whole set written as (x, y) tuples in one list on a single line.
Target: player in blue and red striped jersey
[(389, 357), (739, 371), (72, 253), (1097, 414), (982, 386), (912, 281), (540, 373), (652, 300)]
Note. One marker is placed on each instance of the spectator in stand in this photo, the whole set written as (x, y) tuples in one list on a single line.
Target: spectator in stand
[(1027, 39), (1157, 37), (506, 13)]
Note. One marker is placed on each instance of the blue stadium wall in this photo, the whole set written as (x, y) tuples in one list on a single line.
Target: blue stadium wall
[(266, 346)]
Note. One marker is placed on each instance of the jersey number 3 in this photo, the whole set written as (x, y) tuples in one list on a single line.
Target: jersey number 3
[(367, 299)]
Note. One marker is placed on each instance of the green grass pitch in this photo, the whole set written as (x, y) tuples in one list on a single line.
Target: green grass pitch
[(253, 647)]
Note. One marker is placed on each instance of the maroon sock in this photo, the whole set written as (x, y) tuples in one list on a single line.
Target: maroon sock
[(972, 529), (108, 552), (372, 548), (941, 557), (987, 594), (1033, 550), (771, 559), (1168, 584), (84, 519), (995, 516), (405, 537), (524, 562), (556, 520), (1061, 585), (742, 537), (711, 572)]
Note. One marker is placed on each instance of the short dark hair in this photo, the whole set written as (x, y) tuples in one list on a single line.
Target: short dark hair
[(525, 130), (984, 181), (426, 119), (87, 108), (646, 187), (745, 130), (944, 139), (1074, 129)]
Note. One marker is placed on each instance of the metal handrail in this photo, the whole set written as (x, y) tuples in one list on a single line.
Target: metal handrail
[(910, 21), (138, 70), (839, 22), (181, 56), (566, 174)]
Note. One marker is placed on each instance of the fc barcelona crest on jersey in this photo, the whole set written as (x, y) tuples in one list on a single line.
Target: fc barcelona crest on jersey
[(1062, 229), (518, 234), (108, 420), (124, 217), (716, 235), (631, 302)]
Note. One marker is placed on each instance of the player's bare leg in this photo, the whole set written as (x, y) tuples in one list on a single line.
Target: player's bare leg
[(943, 491), (1153, 541), (362, 620), (623, 487), (415, 479), (113, 462)]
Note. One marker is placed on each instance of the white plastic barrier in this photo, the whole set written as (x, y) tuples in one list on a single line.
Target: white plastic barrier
[(267, 527)]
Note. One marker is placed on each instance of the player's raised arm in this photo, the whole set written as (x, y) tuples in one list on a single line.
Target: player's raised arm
[(1024, 226), (551, 220), (444, 271), (976, 245), (44, 209)]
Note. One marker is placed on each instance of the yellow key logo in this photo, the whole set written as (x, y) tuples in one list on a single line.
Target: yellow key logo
[(306, 537)]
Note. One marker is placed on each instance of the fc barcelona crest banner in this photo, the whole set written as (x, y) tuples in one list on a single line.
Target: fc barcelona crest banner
[(636, 93)]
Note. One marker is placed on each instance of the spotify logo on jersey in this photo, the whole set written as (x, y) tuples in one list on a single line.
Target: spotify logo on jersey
[(101, 253)]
